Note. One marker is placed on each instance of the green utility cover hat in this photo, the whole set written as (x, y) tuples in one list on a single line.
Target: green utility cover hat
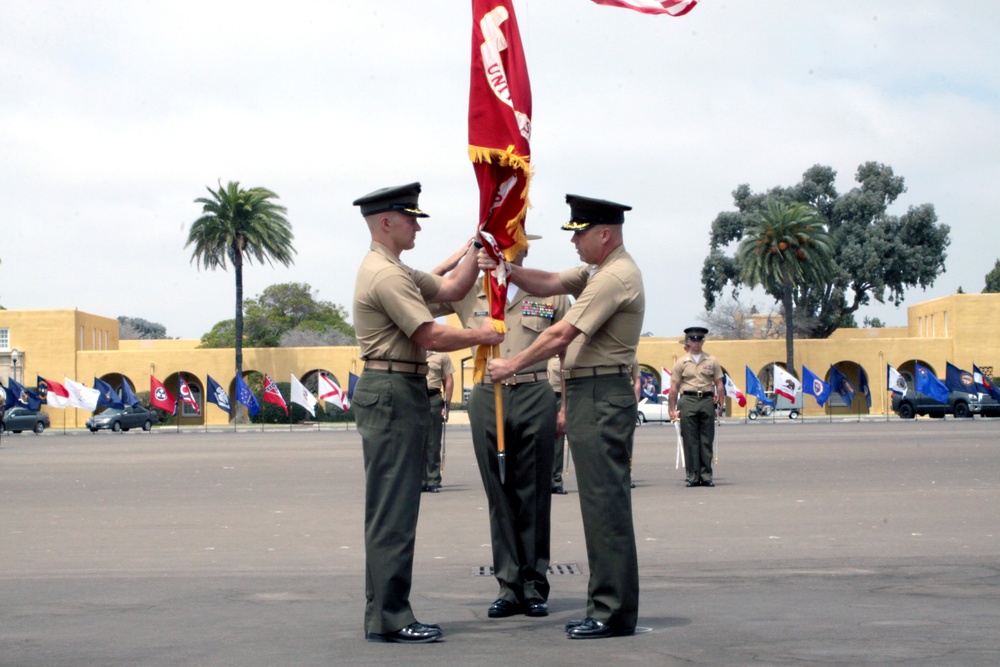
[(402, 198), (585, 212)]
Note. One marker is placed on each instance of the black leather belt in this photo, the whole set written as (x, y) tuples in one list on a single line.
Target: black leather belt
[(519, 378), (594, 371), (436, 391), (699, 394), (395, 366)]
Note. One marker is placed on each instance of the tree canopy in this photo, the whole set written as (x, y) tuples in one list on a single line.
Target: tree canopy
[(286, 315), (877, 255), (136, 328), (993, 280)]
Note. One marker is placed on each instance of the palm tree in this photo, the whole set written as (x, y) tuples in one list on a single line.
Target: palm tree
[(784, 245), (240, 225)]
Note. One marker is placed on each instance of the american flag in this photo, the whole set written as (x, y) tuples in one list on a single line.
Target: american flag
[(672, 7)]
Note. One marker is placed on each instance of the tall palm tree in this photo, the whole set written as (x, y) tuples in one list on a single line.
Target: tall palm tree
[(786, 244), (240, 225)]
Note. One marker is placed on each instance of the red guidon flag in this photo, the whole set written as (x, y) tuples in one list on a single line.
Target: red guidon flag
[(499, 142), (672, 7)]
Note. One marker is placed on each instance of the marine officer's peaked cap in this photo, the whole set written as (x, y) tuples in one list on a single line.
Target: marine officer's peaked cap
[(402, 198), (585, 212), (695, 333)]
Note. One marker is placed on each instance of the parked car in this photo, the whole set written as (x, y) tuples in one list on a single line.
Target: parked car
[(913, 403), (653, 412), (23, 419), (122, 420)]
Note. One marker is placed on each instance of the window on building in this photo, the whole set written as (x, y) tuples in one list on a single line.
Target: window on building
[(4, 339)]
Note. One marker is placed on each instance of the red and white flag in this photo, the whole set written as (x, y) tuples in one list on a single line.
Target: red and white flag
[(160, 398), (499, 143), (785, 384), (186, 395), (330, 393), (733, 392), (671, 7), (666, 377), (273, 395), (53, 393)]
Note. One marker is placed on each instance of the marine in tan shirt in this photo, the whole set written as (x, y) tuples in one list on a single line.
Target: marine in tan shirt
[(519, 509), (394, 329), (599, 335)]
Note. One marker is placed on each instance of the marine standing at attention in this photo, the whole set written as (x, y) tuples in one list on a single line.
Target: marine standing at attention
[(395, 329), (696, 382), (520, 508), (600, 335)]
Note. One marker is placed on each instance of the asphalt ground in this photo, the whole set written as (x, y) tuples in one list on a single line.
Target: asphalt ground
[(843, 543)]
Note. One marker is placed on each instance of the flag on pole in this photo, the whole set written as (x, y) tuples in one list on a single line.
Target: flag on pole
[(246, 397), (273, 395), (499, 144), (733, 392), (813, 385), (128, 396), (984, 383), (302, 396), (840, 384), (160, 398), (52, 393), (755, 388), (18, 395), (108, 398), (863, 386), (186, 396), (929, 385), (671, 7), (81, 396), (218, 395), (786, 384), (666, 377), (331, 394), (895, 381)]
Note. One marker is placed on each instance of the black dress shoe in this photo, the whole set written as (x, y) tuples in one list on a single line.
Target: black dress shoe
[(559, 490), (633, 485), (536, 607), (575, 623), (691, 484), (414, 633), (708, 483), (504, 608), (591, 628)]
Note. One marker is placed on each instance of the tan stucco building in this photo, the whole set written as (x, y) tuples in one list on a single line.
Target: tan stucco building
[(55, 344)]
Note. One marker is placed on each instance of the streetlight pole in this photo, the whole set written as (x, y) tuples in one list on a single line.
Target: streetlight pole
[(15, 356)]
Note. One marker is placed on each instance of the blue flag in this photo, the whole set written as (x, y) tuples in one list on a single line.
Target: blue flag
[(929, 385), (352, 380), (985, 384), (863, 386), (840, 384), (647, 386), (108, 397), (814, 386), (755, 388), (128, 396), (19, 396), (218, 395), (958, 380), (246, 397)]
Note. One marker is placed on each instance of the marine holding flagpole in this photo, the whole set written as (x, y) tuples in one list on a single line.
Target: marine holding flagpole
[(395, 329), (695, 383), (599, 334)]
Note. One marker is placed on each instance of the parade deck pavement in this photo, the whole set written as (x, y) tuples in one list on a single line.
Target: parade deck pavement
[(843, 543)]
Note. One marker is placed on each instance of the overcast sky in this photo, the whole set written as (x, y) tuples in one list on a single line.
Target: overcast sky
[(115, 116)]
